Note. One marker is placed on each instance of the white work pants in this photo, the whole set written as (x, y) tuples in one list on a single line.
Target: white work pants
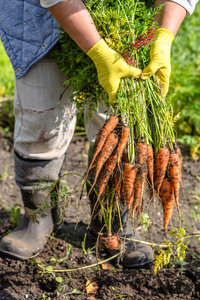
[(45, 118)]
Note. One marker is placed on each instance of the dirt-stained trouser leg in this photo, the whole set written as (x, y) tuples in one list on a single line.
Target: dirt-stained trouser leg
[(44, 125)]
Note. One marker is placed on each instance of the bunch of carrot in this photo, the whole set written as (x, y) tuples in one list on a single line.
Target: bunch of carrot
[(114, 171), (136, 148)]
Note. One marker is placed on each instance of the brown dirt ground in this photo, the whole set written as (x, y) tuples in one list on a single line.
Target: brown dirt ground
[(21, 279)]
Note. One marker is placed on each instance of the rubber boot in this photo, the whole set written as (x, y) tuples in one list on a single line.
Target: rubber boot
[(137, 254), (28, 239)]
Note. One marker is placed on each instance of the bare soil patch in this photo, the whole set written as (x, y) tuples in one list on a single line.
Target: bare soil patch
[(21, 279)]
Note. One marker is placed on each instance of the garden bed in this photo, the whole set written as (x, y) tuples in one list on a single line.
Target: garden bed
[(21, 279)]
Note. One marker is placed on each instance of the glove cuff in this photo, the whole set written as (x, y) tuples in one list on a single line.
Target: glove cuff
[(165, 33), (98, 49)]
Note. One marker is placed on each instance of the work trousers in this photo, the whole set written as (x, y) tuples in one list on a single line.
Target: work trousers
[(45, 117)]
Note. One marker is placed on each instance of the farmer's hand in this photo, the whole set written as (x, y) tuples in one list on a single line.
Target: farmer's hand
[(111, 67), (160, 59)]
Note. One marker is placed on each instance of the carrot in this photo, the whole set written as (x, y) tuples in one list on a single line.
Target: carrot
[(141, 159), (109, 168), (106, 151), (150, 164), (129, 175), (138, 191), (122, 195), (178, 151), (117, 184), (151, 188), (108, 171), (122, 142), (102, 136), (162, 158), (168, 200), (151, 193), (125, 157), (141, 153), (175, 175), (110, 241)]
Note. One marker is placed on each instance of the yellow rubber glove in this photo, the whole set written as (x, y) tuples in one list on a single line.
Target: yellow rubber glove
[(160, 59), (111, 67)]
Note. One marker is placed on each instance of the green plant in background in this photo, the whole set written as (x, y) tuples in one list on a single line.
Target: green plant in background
[(145, 221), (185, 81), (6, 75), (83, 245), (4, 173), (15, 214), (6, 93), (175, 251)]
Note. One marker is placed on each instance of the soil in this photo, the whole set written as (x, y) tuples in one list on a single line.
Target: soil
[(24, 280)]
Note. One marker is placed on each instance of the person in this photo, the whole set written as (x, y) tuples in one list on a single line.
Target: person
[(44, 116)]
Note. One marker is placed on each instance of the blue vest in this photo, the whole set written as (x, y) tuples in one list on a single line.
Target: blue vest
[(28, 31)]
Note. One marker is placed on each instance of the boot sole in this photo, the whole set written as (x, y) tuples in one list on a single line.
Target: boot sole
[(14, 255), (135, 266), (139, 265)]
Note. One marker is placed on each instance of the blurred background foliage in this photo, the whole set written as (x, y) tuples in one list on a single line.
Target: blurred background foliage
[(184, 86), (185, 81), (6, 93)]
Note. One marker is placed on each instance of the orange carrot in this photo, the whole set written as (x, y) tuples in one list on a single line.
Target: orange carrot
[(138, 191), (122, 194), (141, 153), (141, 159), (102, 136), (129, 175), (150, 162), (109, 168), (162, 158), (151, 192), (168, 200), (174, 174), (178, 151), (125, 157), (106, 151), (110, 241), (122, 142), (117, 184)]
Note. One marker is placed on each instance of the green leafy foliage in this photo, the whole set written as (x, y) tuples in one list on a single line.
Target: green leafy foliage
[(6, 92), (185, 79), (6, 74), (15, 214), (119, 23), (145, 221), (175, 251)]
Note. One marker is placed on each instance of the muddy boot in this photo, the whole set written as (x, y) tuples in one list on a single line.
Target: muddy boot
[(136, 254), (29, 238)]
